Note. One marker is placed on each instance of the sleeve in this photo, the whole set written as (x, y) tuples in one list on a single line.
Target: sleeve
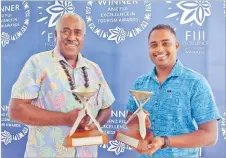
[(131, 105), (28, 83), (203, 106), (107, 96)]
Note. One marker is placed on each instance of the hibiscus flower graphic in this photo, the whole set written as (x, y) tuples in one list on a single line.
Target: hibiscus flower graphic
[(117, 34), (117, 147), (5, 39), (6, 137), (193, 11), (56, 10)]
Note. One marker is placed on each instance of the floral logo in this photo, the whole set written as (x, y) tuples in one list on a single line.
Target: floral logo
[(223, 125), (56, 10), (117, 147), (117, 34), (13, 26), (5, 39), (193, 11), (6, 137)]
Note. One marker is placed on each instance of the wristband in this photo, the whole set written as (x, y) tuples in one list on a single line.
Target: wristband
[(166, 142)]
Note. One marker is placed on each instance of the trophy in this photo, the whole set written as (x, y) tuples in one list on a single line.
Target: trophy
[(137, 138), (81, 137)]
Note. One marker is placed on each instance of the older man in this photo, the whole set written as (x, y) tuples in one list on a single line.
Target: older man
[(183, 113), (42, 96)]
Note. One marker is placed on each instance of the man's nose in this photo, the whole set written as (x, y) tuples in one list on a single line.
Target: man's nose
[(72, 36), (160, 48)]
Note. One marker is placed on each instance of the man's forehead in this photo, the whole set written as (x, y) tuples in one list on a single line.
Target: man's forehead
[(70, 18), (72, 24), (161, 35), (162, 40), (71, 21)]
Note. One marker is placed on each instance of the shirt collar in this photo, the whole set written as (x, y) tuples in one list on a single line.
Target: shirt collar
[(176, 71), (81, 60)]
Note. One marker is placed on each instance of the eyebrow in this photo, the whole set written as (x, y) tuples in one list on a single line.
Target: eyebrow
[(67, 28), (165, 40)]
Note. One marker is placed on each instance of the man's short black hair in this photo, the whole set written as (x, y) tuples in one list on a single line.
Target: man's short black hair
[(164, 27)]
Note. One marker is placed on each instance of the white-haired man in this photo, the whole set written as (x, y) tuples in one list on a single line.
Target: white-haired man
[(42, 96)]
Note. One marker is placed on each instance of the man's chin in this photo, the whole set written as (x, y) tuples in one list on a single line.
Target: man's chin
[(71, 53), (161, 64)]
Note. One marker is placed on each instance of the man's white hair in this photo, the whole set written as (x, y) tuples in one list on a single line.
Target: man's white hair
[(70, 14)]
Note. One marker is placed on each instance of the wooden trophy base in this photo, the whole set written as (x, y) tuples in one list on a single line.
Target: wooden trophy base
[(85, 138), (133, 139)]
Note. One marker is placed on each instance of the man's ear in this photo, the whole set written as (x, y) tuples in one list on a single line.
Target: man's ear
[(55, 35), (177, 45)]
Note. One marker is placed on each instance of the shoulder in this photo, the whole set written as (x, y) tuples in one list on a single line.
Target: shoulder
[(142, 79), (198, 81), (191, 74), (93, 67), (92, 64), (41, 56)]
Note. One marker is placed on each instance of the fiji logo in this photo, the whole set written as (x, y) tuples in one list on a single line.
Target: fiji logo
[(54, 12), (193, 11)]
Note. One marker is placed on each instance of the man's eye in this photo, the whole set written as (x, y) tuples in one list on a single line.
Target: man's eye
[(166, 43), (66, 31), (153, 45), (78, 33)]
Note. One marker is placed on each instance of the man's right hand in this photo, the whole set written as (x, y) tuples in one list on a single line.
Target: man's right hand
[(73, 115)]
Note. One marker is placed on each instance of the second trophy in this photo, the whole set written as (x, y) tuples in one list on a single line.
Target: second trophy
[(137, 138)]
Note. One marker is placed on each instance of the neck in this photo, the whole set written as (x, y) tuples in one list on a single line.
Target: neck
[(163, 72), (72, 62)]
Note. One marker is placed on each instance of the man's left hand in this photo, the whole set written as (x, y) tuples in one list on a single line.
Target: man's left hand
[(156, 144)]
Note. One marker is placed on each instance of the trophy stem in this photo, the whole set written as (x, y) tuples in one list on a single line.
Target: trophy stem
[(142, 127), (142, 104), (136, 101), (78, 120), (95, 122)]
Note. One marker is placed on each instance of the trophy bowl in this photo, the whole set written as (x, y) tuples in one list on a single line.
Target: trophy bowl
[(141, 95), (85, 92)]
